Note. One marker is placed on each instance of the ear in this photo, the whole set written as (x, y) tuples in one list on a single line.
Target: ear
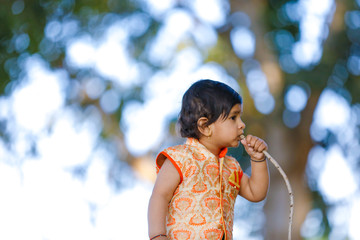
[(203, 128)]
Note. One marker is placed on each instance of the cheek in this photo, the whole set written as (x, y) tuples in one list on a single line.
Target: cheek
[(234, 126), (229, 129)]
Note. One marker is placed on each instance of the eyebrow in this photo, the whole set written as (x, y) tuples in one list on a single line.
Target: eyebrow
[(235, 112)]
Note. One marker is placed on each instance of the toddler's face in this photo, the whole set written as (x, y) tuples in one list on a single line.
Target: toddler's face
[(227, 132)]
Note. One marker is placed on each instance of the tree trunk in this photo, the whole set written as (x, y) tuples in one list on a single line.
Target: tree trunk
[(290, 147)]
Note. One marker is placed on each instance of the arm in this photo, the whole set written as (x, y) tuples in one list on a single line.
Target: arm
[(166, 182), (255, 187)]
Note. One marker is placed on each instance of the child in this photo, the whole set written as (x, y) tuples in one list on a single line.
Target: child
[(197, 184)]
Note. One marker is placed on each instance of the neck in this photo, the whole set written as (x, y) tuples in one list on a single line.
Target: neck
[(214, 149)]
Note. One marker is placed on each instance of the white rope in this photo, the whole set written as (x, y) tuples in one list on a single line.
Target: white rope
[(287, 182), (291, 195)]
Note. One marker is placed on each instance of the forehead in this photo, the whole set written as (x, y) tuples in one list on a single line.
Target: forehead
[(236, 108)]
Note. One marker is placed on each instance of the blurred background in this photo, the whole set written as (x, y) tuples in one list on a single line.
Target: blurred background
[(90, 92)]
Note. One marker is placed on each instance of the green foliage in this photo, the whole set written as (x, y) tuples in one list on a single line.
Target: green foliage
[(22, 33), (15, 23)]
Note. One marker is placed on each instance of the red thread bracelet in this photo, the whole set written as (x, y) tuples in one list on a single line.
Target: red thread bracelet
[(160, 235)]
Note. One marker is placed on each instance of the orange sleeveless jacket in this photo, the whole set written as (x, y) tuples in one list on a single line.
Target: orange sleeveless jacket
[(198, 210)]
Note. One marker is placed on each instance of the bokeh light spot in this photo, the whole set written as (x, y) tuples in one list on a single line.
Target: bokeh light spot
[(336, 189), (256, 81), (243, 42), (288, 64), (53, 30), (353, 65), (110, 101), (211, 11), (22, 42), (295, 98), (312, 225), (332, 111), (81, 52), (18, 7), (94, 87), (291, 119), (264, 102)]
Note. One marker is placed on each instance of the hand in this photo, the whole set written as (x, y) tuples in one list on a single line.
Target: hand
[(254, 146)]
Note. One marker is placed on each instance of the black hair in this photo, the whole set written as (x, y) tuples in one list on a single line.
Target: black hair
[(205, 98)]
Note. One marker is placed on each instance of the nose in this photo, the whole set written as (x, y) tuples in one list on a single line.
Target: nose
[(241, 125)]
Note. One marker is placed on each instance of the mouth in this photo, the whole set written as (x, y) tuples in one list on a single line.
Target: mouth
[(240, 137)]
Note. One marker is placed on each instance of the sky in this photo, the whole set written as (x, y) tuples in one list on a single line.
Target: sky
[(42, 197)]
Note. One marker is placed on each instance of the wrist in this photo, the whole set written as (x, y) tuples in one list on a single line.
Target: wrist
[(158, 237), (257, 161)]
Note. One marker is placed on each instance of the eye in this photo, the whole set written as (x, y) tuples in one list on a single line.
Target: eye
[(233, 118)]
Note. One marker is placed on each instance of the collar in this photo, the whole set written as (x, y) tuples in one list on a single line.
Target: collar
[(195, 143)]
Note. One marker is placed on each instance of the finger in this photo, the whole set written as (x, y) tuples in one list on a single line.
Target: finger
[(247, 146), (248, 138), (257, 144), (253, 142), (262, 147)]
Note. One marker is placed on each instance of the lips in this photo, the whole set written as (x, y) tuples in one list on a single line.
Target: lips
[(238, 138)]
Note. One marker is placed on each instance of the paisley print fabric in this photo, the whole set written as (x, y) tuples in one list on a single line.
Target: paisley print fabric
[(196, 209)]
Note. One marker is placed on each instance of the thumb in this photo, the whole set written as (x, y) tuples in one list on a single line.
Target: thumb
[(246, 145)]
